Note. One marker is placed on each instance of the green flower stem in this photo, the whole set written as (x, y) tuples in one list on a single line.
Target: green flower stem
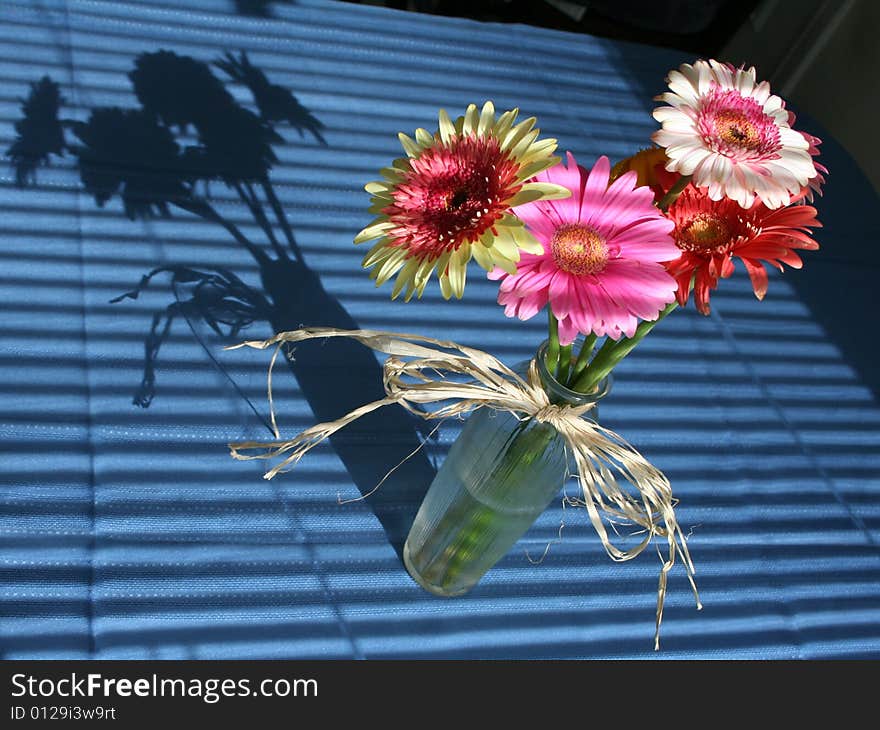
[(585, 377), (553, 345), (583, 358), (442, 564), (564, 363), (673, 193), (613, 352)]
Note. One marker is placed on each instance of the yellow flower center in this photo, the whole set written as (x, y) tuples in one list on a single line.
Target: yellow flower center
[(704, 233), (579, 250), (737, 130)]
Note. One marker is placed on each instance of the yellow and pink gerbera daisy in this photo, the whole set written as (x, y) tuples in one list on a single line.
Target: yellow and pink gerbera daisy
[(451, 200)]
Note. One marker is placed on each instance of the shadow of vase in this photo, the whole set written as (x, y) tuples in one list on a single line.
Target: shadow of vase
[(336, 376)]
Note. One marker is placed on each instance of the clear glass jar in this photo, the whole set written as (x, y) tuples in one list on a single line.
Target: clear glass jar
[(500, 475)]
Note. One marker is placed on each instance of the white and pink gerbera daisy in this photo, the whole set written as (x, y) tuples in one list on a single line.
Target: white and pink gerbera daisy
[(732, 135), (815, 184), (601, 269)]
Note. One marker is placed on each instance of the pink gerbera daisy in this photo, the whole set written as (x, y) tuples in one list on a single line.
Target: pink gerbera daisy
[(600, 270), (712, 233), (732, 135)]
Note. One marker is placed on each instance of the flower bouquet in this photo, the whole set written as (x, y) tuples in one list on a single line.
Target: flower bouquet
[(608, 252)]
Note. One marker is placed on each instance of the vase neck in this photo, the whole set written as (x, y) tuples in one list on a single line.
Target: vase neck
[(559, 393)]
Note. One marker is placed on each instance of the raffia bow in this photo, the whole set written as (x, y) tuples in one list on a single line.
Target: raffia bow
[(415, 374)]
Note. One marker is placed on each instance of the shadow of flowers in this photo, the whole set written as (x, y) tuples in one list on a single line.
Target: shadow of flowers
[(147, 158)]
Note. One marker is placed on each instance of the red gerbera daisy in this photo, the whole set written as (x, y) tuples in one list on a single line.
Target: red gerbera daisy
[(711, 233)]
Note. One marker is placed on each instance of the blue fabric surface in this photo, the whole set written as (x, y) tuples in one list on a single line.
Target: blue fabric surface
[(128, 532)]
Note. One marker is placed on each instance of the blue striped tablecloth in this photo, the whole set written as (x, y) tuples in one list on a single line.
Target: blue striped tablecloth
[(128, 532)]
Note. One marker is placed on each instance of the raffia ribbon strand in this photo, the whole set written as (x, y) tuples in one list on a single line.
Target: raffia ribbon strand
[(415, 374)]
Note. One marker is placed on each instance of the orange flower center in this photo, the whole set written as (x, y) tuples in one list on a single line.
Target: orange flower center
[(703, 233), (737, 130), (579, 250)]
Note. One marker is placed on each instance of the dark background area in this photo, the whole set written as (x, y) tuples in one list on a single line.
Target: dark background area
[(819, 55), (700, 26)]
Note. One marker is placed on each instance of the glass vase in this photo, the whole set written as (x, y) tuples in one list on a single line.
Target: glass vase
[(501, 473)]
